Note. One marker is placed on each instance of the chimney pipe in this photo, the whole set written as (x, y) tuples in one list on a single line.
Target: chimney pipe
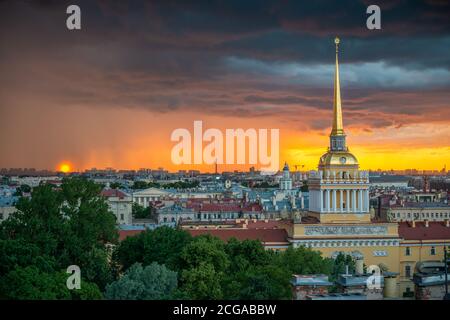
[(359, 266)]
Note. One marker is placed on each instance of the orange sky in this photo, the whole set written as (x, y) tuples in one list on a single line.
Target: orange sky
[(110, 94), (121, 138)]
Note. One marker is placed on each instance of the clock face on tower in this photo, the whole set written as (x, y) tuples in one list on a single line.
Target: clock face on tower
[(342, 160)]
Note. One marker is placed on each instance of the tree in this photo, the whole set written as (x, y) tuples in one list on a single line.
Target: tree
[(264, 283), (139, 212), (154, 282), (202, 282), (19, 253), (63, 227), (340, 263), (30, 283), (205, 249), (139, 185), (162, 245), (20, 190), (247, 253), (304, 260), (116, 185)]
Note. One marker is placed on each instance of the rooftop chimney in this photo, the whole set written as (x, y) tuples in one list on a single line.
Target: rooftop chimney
[(447, 223), (426, 223), (359, 266), (414, 223)]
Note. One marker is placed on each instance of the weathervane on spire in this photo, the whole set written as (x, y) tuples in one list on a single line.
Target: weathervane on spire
[(336, 41)]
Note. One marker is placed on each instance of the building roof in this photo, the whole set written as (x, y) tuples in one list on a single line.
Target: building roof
[(113, 193), (429, 204), (434, 231), (263, 235), (389, 178), (310, 280), (225, 207), (123, 234)]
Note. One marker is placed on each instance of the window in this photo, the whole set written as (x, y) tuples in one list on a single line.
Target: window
[(122, 217), (407, 251), (408, 293), (433, 251), (408, 271)]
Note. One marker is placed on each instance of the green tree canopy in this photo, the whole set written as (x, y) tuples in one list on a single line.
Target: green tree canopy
[(31, 284), (304, 260), (153, 282), (139, 212), (162, 245), (56, 228), (202, 282), (205, 249)]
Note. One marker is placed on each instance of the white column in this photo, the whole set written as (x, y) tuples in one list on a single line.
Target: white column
[(334, 201), (347, 203), (321, 200), (328, 200), (366, 199), (353, 200), (360, 200), (341, 200)]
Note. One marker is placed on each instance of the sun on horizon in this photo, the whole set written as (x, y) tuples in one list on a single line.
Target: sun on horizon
[(65, 167)]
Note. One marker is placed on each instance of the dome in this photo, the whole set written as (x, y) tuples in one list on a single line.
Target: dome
[(338, 158)]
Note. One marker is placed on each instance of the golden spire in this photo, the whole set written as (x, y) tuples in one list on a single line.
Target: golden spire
[(338, 128)]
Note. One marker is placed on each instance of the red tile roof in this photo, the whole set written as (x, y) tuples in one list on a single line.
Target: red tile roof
[(435, 231), (123, 234), (113, 193), (263, 235), (262, 224)]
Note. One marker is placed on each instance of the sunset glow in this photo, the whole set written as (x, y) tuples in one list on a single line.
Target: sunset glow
[(65, 167), (264, 73)]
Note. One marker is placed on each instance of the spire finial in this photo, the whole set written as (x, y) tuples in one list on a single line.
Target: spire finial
[(338, 128), (336, 41)]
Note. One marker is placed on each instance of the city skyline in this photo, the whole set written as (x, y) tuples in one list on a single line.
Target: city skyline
[(110, 94)]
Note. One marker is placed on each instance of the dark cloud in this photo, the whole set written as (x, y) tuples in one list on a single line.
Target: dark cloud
[(169, 56)]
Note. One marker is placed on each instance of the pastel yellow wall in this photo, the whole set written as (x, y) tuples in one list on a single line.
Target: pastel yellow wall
[(419, 251), (345, 217), (391, 260)]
